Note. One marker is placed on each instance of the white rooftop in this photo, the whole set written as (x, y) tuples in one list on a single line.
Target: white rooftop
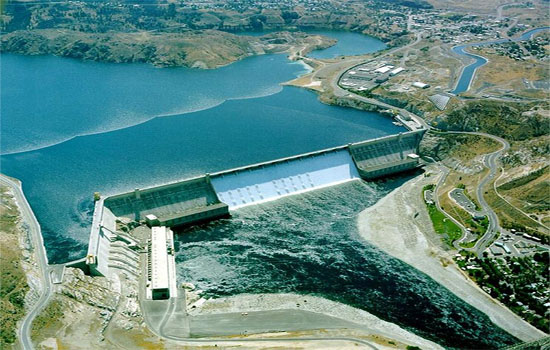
[(384, 69), (159, 258)]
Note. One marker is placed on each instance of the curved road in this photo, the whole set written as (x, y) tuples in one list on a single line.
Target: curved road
[(490, 162), (28, 217), (338, 91)]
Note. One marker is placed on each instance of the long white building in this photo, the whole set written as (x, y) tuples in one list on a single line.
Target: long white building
[(161, 252)]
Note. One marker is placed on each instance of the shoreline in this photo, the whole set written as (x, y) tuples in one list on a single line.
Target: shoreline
[(369, 323), (399, 225)]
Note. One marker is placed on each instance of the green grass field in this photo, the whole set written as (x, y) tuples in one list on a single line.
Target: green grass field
[(444, 226)]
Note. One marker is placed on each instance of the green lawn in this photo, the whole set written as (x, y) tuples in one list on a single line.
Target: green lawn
[(470, 244), (444, 226)]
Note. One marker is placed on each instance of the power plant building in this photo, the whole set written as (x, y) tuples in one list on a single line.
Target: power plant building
[(161, 250)]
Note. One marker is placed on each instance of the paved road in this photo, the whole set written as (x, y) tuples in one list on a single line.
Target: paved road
[(445, 172), (226, 324), (338, 91), (41, 259), (465, 202), (490, 161)]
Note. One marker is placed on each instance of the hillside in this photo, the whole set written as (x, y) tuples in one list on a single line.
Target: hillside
[(198, 49)]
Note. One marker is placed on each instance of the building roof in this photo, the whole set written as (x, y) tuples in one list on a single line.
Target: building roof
[(159, 258), (397, 71), (420, 84), (384, 69)]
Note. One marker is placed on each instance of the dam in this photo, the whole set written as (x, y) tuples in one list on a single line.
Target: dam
[(212, 196)]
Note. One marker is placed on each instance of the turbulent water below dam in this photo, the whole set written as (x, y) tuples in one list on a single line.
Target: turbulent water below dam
[(309, 244)]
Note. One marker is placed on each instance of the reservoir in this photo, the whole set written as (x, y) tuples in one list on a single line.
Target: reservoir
[(349, 44), (72, 128)]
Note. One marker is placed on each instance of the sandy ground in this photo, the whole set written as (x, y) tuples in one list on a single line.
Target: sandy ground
[(373, 326), (390, 225)]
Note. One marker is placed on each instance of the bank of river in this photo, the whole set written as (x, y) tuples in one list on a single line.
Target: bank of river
[(400, 226)]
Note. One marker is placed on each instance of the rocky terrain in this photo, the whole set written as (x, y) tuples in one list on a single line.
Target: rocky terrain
[(93, 313)]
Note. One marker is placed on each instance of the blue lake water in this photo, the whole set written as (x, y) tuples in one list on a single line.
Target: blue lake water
[(47, 100), (348, 44)]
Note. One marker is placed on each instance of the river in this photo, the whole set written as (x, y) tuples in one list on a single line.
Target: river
[(310, 244)]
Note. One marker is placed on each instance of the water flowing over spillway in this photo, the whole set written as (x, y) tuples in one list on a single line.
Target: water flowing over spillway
[(240, 188)]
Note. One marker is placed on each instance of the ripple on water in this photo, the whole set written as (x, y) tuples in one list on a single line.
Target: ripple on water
[(309, 244)]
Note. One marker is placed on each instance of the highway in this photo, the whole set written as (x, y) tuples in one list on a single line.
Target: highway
[(41, 258)]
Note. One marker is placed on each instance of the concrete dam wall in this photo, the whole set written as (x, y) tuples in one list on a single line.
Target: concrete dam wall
[(164, 201), (268, 181), (211, 196), (387, 155)]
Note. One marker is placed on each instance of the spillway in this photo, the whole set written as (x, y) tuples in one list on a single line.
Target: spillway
[(269, 181)]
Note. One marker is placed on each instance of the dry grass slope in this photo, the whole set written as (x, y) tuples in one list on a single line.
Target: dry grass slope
[(13, 286)]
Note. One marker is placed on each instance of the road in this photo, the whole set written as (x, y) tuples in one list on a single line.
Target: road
[(490, 161), (225, 324), (41, 259), (444, 173), (501, 7)]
